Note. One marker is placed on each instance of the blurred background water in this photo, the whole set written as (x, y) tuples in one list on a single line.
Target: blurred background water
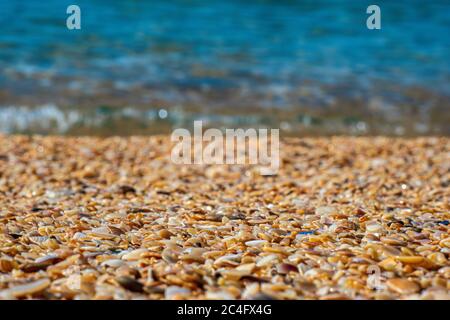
[(308, 67)]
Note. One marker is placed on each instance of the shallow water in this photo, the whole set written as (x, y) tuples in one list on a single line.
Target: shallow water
[(275, 63)]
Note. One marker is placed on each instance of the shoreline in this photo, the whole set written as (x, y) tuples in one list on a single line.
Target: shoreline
[(114, 218), (105, 120)]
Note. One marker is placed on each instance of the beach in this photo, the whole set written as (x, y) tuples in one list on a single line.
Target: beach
[(115, 218)]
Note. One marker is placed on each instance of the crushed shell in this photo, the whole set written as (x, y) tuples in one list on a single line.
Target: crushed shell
[(115, 218)]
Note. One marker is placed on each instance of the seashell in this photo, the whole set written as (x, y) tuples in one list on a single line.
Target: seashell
[(248, 268), (255, 243), (335, 296), (285, 268), (311, 273), (325, 211), (79, 236), (6, 264), (389, 251), (445, 271), (154, 289), (116, 215), (300, 203), (115, 263), (276, 249), (34, 267), (374, 227), (228, 260), (116, 231), (267, 260), (126, 189), (410, 259), (60, 266), (165, 234), (194, 254), (51, 258), (438, 258), (311, 233), (402, 286), (393, 241), (234, 274), (102, 232), (219, 295), (26, 289), (51, 244), (250, 290), (445, 243), (262, 296), (169, 255), (38, 239), (130, 284), (73, 282), (174, 292), (134, 255)]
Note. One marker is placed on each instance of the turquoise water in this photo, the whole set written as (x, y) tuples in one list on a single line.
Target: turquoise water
[(307, 58)]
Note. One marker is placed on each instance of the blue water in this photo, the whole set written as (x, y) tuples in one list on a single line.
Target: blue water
[(256, 47)]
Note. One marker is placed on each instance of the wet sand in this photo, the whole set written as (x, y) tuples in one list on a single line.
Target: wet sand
[(114, 218)]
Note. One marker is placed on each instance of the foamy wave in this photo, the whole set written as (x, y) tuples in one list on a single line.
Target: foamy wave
[(49, 116)]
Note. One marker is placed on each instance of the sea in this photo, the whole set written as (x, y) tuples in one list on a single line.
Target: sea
[(147, 67)]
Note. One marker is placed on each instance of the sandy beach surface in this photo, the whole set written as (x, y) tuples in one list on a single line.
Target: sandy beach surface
[(114, 218)]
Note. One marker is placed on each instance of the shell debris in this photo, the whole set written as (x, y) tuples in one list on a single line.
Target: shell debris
[(344, 218)]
